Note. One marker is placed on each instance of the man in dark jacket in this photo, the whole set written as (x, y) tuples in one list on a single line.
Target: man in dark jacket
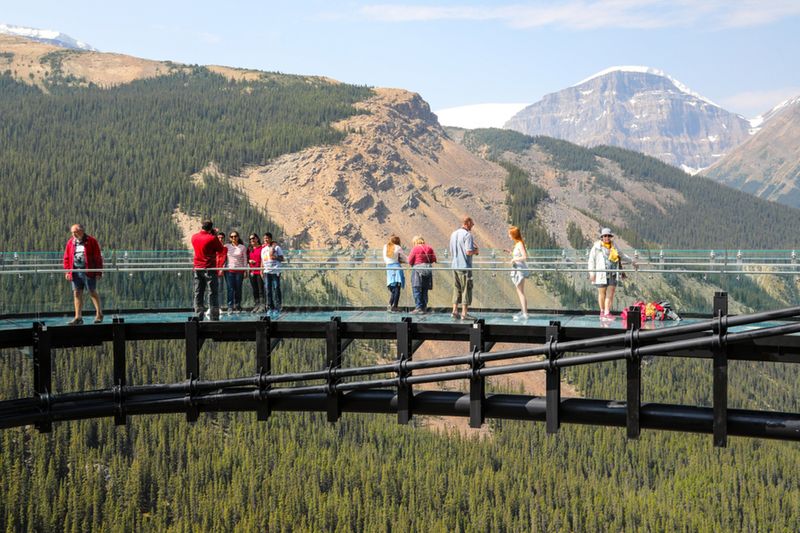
[(83, 263), (206, 247)]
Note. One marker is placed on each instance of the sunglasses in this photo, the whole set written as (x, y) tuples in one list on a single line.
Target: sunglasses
[(234, 236)]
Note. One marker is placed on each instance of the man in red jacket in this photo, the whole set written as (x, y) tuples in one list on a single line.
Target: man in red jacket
[(206, 248), (83, 263)]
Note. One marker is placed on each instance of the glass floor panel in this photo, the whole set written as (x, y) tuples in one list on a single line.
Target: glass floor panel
[(379, 316)]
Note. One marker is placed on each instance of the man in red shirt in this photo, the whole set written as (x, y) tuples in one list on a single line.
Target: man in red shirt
[(83, 263), (206, 247)]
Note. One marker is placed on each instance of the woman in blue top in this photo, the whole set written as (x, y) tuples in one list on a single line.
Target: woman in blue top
[(393, 256)]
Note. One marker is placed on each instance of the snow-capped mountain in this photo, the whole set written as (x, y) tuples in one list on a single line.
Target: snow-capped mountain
[(766, 165), (758, 122), (478, 115), (639, 108), (46, 36)]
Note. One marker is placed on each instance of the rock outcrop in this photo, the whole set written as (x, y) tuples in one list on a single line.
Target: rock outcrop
[(396, 172)]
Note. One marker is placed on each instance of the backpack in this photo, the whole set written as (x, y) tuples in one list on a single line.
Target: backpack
[(653, 311)]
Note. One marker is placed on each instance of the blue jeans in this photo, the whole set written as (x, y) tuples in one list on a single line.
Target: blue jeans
[(273, 286), (420, 297), (234, 281)]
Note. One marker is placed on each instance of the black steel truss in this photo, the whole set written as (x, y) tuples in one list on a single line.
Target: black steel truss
[(389, 388)]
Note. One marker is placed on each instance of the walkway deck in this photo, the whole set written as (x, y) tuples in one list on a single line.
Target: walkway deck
[(539, 319)]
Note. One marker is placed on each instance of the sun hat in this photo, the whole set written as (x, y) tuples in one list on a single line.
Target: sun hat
[(606, 231)]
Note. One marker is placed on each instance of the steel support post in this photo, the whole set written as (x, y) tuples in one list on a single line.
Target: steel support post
[(553, 378), (263, 365), (118, 345), (193, 344), (634, 373), (477, 384), (720, 392), (405, 351), (333, 350), (42, 370)]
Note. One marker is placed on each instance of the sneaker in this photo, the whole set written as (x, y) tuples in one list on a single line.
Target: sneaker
[(75, 322), (98, 319), (520, 316), (455, 316), (467, 317), (418, 311)]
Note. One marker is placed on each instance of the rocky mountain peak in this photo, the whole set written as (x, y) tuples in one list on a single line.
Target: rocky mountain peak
[(639, 108), (636, 69), (766, 165)]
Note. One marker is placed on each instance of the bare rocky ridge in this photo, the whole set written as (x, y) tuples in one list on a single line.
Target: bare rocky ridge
[(638, 110), (583, 197), (395, 172), (26, 60), (768, 164), (23, 58)]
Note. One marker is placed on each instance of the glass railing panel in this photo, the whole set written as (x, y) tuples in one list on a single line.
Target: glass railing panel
[(34, 283)]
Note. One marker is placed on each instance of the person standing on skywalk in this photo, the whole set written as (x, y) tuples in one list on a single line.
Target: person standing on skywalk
[(605, 271), (271, 259), (83, 263), (206, 249), (462, 249)]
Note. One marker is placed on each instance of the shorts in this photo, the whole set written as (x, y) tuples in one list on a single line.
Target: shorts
[(462, 287), (80, 281), (612, 282)]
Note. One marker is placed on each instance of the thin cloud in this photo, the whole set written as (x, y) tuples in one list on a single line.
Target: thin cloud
[(752, 103), (596, 14), (746, 13)]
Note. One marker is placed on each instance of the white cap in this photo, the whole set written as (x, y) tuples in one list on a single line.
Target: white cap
[(606, 231)]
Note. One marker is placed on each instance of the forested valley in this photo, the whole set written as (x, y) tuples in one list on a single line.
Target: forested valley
[(296, 471)]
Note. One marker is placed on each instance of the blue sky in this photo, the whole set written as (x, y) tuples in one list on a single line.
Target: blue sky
[(742, 54)]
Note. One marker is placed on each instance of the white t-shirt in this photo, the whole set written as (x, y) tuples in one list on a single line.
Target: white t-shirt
[(398, 256), (270, 258)]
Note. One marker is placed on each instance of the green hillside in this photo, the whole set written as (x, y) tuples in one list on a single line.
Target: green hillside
[(120, 160), (126, 155), (713, 215)]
